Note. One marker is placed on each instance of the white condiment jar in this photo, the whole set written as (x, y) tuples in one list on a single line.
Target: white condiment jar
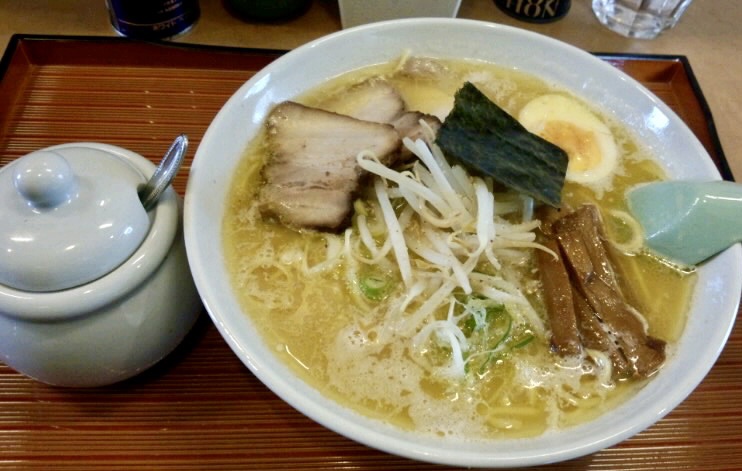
[(93, 288)]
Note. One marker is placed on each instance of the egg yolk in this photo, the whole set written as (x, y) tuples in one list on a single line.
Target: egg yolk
[(581, 146)]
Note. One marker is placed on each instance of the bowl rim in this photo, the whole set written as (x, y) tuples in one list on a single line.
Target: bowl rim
[(308, 401)]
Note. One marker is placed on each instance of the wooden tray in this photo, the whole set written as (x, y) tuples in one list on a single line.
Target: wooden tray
[(200, 408)]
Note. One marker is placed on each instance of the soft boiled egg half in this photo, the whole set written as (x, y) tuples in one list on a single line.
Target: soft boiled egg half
[(566, 123)]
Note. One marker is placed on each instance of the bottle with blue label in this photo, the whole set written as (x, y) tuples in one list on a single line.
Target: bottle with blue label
[(153, 19)]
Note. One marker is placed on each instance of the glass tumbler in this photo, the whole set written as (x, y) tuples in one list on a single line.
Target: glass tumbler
[(644, 19)]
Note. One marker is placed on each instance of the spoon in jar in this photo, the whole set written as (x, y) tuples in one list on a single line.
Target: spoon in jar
[(688, 222), (150, 192)]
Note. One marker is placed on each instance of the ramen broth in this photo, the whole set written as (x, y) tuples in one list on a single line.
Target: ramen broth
[(323, 331)]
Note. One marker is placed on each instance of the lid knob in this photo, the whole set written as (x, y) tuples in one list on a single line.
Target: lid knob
[(45, 179)]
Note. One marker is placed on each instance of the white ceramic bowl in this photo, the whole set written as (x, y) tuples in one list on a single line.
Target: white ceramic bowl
[(715, 299)]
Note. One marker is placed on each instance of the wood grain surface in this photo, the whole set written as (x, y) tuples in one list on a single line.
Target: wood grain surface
[(200, 408)]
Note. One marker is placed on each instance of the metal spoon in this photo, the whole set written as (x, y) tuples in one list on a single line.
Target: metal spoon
[(688, 222), (165, 172)]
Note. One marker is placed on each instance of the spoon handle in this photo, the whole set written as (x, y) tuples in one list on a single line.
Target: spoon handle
[(689, 221), (165, 172), (721, 203)]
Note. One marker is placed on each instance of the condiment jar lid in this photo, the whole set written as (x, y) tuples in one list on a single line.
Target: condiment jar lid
[(70, 214)]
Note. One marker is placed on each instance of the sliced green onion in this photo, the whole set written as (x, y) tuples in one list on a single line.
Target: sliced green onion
[(525, 341), (493, 351), (374, 286)]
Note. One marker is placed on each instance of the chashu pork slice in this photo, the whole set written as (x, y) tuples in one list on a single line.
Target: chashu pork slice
[(379, 101), (312, 174), (408, 124), (371, 100)]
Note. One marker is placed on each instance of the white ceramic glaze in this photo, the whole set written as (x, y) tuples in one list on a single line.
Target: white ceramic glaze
[(117, 325), (714, 303), (70, 216)]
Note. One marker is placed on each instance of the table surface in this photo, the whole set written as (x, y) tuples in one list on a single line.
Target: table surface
[(709, 35), (705, 34)]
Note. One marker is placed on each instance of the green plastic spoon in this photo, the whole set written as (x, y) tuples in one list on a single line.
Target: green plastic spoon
[(688, 222)]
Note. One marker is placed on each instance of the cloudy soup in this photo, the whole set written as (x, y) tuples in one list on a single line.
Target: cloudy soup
[(429, 306)]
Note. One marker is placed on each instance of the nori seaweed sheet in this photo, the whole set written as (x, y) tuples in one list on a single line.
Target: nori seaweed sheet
[(485, 139)]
